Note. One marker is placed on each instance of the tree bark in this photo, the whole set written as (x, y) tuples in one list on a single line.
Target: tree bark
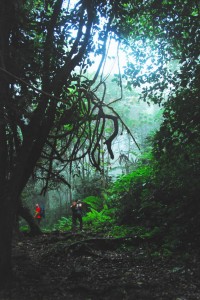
[(6, 212), (6, 223)]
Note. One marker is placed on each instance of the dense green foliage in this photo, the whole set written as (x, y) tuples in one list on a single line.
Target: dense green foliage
[(159, 199), (54, 120)]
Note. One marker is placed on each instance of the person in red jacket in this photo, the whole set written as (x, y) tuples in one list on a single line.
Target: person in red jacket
[(38, 216)]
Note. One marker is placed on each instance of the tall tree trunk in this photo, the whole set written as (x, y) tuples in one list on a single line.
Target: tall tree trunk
[(5, 234), (6, 214), (27, 158), (6, 225)]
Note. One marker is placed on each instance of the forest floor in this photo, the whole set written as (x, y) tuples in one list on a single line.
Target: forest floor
[(83, 266)]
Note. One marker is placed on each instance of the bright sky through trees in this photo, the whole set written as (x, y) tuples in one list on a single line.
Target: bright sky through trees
[(116, 57)]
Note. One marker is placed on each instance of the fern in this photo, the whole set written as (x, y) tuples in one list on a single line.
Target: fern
[(98, 220), (93, 202), (63, 224)]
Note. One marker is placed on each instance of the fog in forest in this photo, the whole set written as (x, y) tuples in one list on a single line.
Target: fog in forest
[(142, 119)]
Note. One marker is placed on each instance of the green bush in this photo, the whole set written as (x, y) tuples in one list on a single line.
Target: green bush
[(93, 202), (120, 231), (64, 224), (98, 220), (24, 228)]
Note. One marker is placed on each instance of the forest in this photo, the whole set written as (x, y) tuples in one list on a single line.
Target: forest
[(100, 103)]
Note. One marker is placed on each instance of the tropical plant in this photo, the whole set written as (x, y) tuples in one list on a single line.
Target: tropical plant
[(99, 220), (63, 224)]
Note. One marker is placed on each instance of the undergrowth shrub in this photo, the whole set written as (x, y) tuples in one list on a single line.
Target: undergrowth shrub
[(24, 228), (99, 216), (64, 224)]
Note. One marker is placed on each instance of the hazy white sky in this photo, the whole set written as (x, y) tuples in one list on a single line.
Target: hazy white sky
[(113, 62)]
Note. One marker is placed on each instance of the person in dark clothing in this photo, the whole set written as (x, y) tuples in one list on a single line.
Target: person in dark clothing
[(76, 208)]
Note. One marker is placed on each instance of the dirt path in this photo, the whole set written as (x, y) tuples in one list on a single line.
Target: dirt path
[(47, 267)]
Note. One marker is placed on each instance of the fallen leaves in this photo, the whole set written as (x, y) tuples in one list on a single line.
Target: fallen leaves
[(66, 266)]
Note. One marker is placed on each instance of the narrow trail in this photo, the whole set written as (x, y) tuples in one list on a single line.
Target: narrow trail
[(65, 266)]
